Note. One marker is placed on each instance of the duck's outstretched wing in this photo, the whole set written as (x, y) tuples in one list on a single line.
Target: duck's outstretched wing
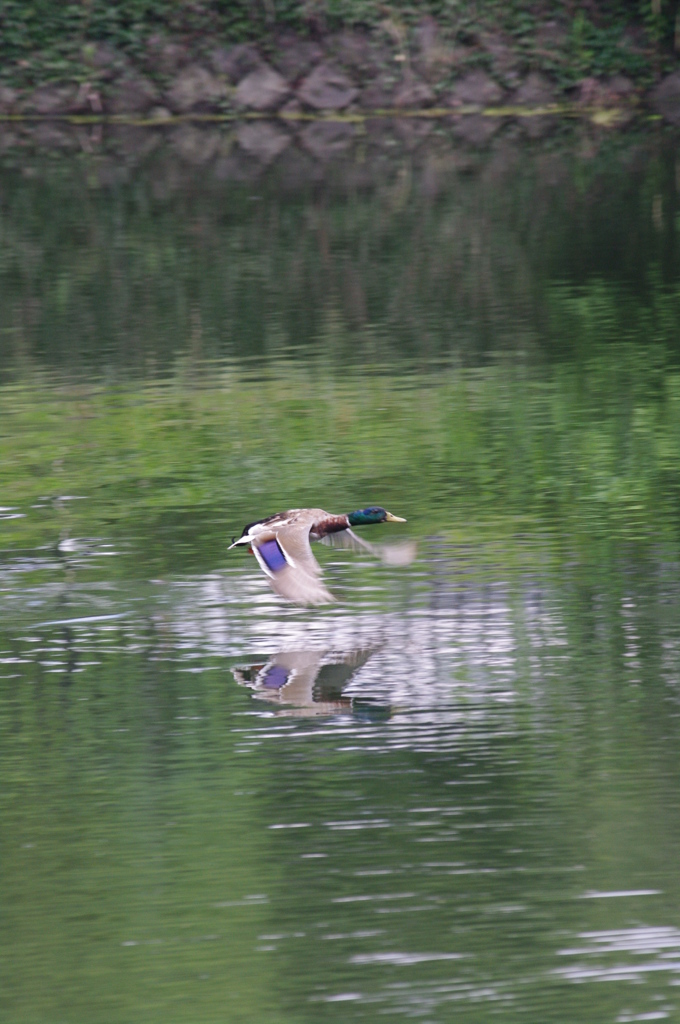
[(398, 553), (347, 540), (285, 556)]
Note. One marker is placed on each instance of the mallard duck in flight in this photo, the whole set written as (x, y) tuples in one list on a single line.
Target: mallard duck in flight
[(281, 544)]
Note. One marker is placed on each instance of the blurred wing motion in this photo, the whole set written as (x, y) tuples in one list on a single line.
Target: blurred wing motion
[(400, 553), (347, 540)]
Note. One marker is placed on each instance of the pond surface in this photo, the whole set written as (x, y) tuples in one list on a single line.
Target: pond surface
[(451, 795)]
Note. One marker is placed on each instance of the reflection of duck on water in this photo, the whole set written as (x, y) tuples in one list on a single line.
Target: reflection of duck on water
[(281, 544), (311, 681)]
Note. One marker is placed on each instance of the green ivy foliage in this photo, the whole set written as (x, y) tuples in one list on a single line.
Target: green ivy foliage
[(43, 39)]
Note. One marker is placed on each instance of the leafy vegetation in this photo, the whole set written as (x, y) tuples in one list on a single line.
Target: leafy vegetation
[(600, 50), (45, 39)]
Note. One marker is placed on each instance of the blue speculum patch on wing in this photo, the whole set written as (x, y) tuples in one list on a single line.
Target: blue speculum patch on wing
[(272, 555), (275, 677)]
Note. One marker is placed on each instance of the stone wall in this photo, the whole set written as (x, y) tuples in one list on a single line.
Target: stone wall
[(349, 73)]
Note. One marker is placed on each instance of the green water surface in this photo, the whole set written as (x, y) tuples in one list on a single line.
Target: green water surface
[(454, 794)]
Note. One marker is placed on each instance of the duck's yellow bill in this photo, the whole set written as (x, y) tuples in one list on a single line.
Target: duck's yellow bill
[(389, 518)]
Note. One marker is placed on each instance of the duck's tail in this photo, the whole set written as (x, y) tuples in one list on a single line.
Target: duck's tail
[(240, 540)]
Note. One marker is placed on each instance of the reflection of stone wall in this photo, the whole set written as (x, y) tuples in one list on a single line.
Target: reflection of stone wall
[(396, 237), (302, 151), (389, 237)]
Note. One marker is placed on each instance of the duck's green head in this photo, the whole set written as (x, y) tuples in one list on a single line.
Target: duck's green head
[(374, 514)]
